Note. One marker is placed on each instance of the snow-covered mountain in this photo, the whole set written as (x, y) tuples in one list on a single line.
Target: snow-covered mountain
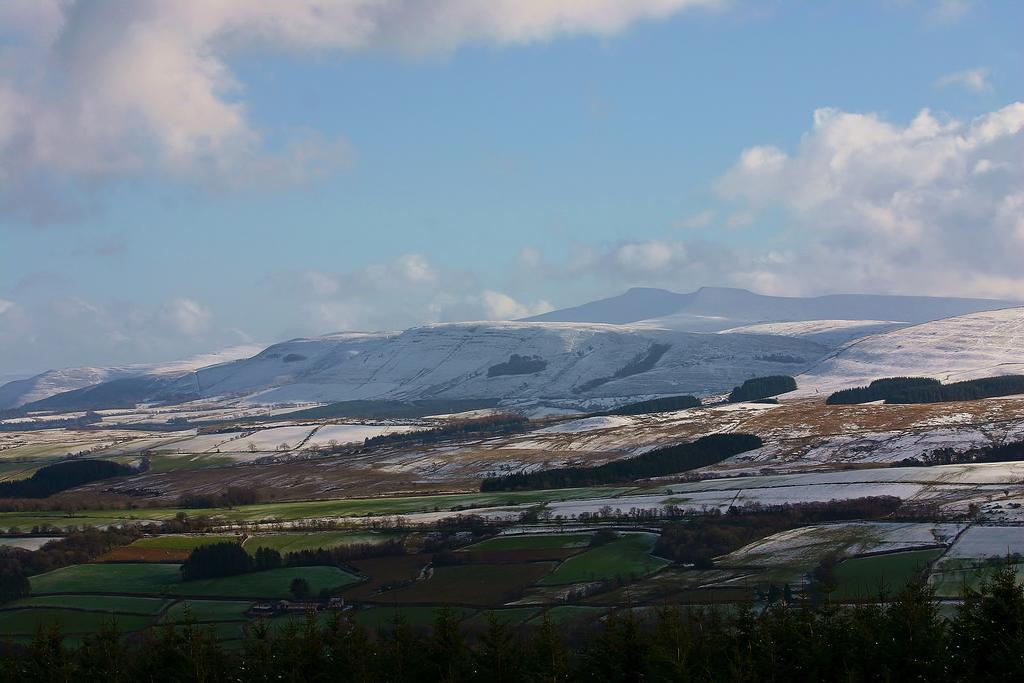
[(503, 360), (52, 382), (712, 309), (962, 347), (831, 333)]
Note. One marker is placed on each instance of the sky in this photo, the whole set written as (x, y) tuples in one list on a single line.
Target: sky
[(180, 177)]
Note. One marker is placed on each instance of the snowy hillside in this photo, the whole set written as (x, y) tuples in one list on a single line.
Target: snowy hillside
[(963, 347), (505, 360), (53, 382), (831, 333), (474, 360), (712, 309)]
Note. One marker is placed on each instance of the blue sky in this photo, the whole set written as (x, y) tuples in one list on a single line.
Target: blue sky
[(377, 180)]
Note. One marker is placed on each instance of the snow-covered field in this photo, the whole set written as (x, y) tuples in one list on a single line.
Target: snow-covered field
[(831, 333), (952, 349), (988, 541), (806, 545)]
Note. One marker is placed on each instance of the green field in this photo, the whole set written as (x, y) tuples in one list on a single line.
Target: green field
[(293, 543), (107, 578), (469, 584), (346, 507), (532, 542), (629, 555), (181, 542), (268, 584), (865, 577), (100, 603), (206, 610), (28, 621), (949, 582)]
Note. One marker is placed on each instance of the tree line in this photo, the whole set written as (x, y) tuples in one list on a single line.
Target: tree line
[(879, 390), (929, 390), (61, 476), (705, 451), (1007, 452), (505, 423), (655, 405), (762, 387), (902, 638)]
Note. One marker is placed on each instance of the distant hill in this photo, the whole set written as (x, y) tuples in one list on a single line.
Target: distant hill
[(52, 382), (712, 309), (574, 362), (963, 347)]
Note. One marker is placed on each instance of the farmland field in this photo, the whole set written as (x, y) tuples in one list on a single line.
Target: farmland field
[(100, 603), (864, 577), (163, 548), (628, 555), (291, 543), (268, 584), (206, 610), (27, 621), (532, 542), (107, 578), (477, 584)]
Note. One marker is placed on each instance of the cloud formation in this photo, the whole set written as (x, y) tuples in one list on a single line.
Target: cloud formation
[(113, 88), (406, 291), (76, 331), (975, 80), (934, 205)]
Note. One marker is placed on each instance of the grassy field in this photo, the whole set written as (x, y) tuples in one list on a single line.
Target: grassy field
[(181, 542), (532, 542), (471, 584), (100, 603), (206, 610), (949, 582), (346, 507), (864, 577), (27, 621), (163, 548), (629, 555), (268, 584), (107, 578), (292, 543)]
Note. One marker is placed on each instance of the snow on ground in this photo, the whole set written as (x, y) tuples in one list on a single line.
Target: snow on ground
[(810, 543), (832, 333), (27, 542), (355, 433), (587, 424), (988, 541), (952, 349)]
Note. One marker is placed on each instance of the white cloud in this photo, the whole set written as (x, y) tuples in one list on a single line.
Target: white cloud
[(186, 316), (498, 306), (99, 89), (72, 331), (406, 291), (950, 11), (703, 219), (934, 205), (973, 79), (649, 256), (5, 306)]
